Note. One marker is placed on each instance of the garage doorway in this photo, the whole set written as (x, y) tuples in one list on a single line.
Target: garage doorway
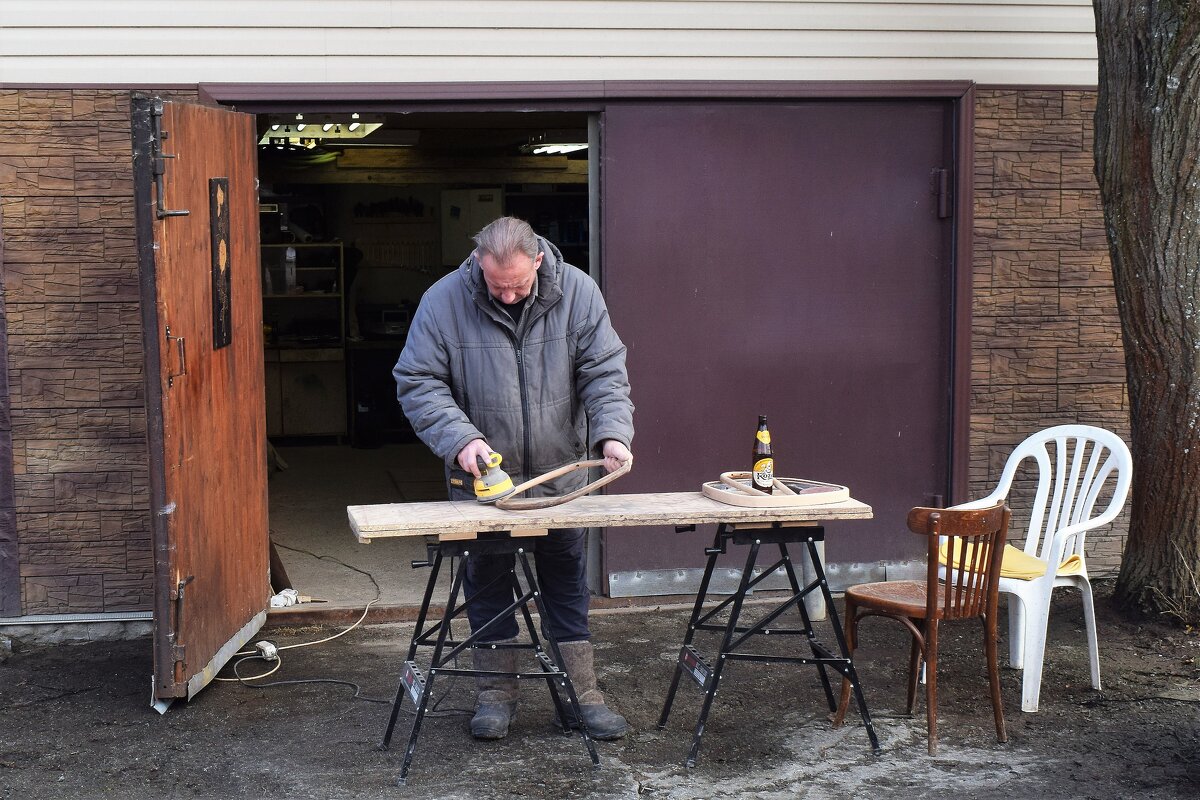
[(353, 230), (665, 165)]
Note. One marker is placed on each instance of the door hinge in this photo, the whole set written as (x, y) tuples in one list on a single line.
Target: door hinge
[(944, 191), (158, 160), (179, 651), (177, 594)]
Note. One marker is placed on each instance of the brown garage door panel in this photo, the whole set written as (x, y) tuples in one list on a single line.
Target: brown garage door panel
[(205, 393), (782, 259)]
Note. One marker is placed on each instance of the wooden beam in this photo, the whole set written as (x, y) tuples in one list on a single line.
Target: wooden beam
[(399, 158), (326, 174)]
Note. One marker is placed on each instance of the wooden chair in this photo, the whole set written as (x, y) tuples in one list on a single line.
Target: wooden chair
[(967, 546)]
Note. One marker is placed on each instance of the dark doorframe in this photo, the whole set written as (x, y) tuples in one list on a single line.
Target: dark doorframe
[(964, 228)]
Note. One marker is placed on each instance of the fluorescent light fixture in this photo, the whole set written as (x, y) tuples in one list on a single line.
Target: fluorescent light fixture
[(555, 143), (330, 127), (558, 149)]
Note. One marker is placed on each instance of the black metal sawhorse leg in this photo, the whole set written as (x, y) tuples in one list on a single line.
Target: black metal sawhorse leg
[(419, 687), (734, 635)]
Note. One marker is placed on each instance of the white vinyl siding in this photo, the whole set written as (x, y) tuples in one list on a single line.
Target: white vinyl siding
[(1046, 42)]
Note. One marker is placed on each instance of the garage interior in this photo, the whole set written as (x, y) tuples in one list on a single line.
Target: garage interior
[(359, 214)]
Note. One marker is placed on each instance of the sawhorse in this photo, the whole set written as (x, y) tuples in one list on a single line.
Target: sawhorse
[(418, 685), (708, 676)]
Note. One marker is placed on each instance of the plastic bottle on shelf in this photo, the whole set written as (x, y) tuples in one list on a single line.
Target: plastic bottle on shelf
[(289, 269)]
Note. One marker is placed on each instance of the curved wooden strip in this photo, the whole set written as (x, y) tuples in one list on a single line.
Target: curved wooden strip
[(734, 480), (741, 481), (514, 503)]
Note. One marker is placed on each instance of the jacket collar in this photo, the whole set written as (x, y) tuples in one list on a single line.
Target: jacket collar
[(548, 289)]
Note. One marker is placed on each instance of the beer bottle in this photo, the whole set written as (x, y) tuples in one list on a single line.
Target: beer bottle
[(763, 474)]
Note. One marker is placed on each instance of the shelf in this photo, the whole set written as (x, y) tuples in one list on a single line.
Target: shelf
[(279, 245), (305, 353)]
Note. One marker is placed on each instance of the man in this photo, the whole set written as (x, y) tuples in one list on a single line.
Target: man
[(514, 353)]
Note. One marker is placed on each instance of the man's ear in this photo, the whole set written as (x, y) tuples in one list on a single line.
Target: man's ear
[(537, 262)]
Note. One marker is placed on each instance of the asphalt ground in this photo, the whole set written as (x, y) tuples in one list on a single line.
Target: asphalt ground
[(76, 723)]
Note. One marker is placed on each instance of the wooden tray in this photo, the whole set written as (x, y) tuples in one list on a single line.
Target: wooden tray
[(734, 489)]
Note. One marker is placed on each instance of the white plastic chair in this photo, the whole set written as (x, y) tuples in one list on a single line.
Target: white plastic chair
[(1075, 463)]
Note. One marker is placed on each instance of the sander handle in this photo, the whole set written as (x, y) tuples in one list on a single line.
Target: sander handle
[(513, 503)]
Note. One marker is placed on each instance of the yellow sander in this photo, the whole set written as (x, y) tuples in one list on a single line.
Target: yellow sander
[(492, 484)]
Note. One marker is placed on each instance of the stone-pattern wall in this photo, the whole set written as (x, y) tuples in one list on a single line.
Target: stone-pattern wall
[(74, 352), (1046, 346)]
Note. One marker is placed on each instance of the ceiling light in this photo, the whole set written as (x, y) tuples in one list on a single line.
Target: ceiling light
[(558, 149), (555, 143), (331, 127)]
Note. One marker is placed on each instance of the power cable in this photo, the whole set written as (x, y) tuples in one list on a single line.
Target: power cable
[(272, 653)]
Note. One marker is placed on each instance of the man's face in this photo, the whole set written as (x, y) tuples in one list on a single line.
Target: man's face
[(510, 280)]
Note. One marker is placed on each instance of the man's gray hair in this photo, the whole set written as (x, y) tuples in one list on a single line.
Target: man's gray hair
[(505, 237)]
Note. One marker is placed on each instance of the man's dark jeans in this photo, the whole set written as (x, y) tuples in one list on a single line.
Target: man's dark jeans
[(560, 560)]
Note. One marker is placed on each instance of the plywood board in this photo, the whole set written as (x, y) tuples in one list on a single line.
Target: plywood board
[(454, 519)]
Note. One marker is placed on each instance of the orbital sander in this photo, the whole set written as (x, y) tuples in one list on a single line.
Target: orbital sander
[(492, 484)]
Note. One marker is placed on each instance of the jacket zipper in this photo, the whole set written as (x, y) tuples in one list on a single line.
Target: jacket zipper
[(526, 474)]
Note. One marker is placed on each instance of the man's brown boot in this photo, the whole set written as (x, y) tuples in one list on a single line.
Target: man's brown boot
[(496, 705), (602, 722)]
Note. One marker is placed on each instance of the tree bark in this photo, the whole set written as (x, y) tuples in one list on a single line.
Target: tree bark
[(1147, 143)]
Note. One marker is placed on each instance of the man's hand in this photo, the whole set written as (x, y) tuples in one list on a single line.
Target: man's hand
[(615, 454), (466, 456)]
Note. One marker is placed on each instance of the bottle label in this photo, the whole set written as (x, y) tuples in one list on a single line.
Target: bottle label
[(764, 472), (763, 436)]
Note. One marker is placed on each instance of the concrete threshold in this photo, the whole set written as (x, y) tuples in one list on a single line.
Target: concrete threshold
[(324, 615)]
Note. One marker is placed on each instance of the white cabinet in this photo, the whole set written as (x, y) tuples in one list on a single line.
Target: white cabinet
[(464, 212)]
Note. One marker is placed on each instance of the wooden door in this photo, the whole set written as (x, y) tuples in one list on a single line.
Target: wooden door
[(197, 217), (787, 259)]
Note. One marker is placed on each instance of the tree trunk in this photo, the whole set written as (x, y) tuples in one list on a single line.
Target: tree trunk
[(1147, 142)]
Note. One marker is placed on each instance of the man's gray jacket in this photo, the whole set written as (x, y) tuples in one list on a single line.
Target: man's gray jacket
[(536, 391)]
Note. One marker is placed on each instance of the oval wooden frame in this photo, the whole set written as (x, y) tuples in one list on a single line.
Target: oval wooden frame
[(785, 496)]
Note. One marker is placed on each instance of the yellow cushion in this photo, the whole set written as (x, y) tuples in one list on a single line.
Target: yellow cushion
[(1019, 564)]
